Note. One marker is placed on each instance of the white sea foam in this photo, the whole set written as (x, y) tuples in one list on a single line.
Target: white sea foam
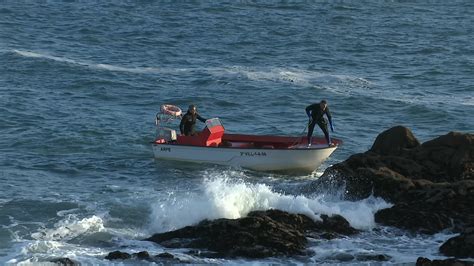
[(468, 101), (275, 74), (53, 242), (293, 75), (224, 197), (70, 227), (138, 70), (339, 84), (335, 83), (398, 245), (101, 66), (46, 56), (40, 252)]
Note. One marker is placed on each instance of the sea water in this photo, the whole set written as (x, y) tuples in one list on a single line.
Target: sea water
[(81, 82)]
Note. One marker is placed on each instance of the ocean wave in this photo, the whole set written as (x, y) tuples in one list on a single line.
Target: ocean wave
[(47, 243), (338, 84), (70, 227), (405, 250), (224, 195), (41, 252), (286, 75)]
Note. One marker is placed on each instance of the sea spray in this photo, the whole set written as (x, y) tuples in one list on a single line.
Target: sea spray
[(226, 197)]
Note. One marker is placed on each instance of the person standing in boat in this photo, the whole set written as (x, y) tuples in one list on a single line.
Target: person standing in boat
[(188, 121), (315, 113)]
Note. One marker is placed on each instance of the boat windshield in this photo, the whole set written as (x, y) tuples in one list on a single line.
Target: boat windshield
[(213, 122)]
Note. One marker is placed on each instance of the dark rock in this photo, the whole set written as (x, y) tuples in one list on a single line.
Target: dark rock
[(142, 255), (165, 255), (432, 207), (345, 257), (261, 234), (373, 257), (447, 262), (453, 153), (335, 224), (64, 261), (394, 140), (432, 182), (253, 236), (406, 217), (117, 255), (461, 246)]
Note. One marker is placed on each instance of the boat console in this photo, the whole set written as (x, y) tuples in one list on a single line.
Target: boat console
[(210, 136)]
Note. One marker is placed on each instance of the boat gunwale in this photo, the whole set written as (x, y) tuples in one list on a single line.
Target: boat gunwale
[(249, 148)]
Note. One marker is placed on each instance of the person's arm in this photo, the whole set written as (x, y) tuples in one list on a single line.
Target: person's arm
[(200, 118), (181, 125), (308, 110), (328, 114)]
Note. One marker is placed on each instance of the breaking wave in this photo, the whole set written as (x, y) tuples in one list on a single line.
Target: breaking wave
[(223, 197)]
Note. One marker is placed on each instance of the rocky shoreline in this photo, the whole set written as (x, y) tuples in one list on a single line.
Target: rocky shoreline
[(431, 186)]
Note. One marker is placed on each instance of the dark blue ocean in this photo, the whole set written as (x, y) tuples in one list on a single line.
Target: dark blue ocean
[(81, 82)]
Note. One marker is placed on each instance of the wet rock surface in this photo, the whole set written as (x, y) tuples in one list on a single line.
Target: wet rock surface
[(65, 262), (461, 246), (261, 234), (431, 184), (143, 256), (118, 255), (447, 262)]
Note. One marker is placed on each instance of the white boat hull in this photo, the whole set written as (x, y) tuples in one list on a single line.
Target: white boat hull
[(298, 159)]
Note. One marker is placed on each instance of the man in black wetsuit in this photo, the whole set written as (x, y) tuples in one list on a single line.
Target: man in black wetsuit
[(315, 113), (189, 120)]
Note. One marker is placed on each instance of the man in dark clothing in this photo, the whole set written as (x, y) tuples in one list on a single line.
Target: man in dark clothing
[(315, 113), (189, 120)]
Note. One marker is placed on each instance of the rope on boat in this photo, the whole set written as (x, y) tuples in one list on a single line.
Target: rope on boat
[(300, 138)]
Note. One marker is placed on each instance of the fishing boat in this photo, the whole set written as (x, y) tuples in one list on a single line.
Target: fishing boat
[(257, 152)]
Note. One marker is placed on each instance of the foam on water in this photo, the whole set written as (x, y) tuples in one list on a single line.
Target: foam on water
[(71, 227), (341, 84), (46, 56), (34, 252), (136, 70), (399, 246), (297, 76), (222, 196), (468, 101), (58, 242), (53, 242)]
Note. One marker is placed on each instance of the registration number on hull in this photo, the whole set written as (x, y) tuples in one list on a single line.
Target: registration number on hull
[(251, 154)]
